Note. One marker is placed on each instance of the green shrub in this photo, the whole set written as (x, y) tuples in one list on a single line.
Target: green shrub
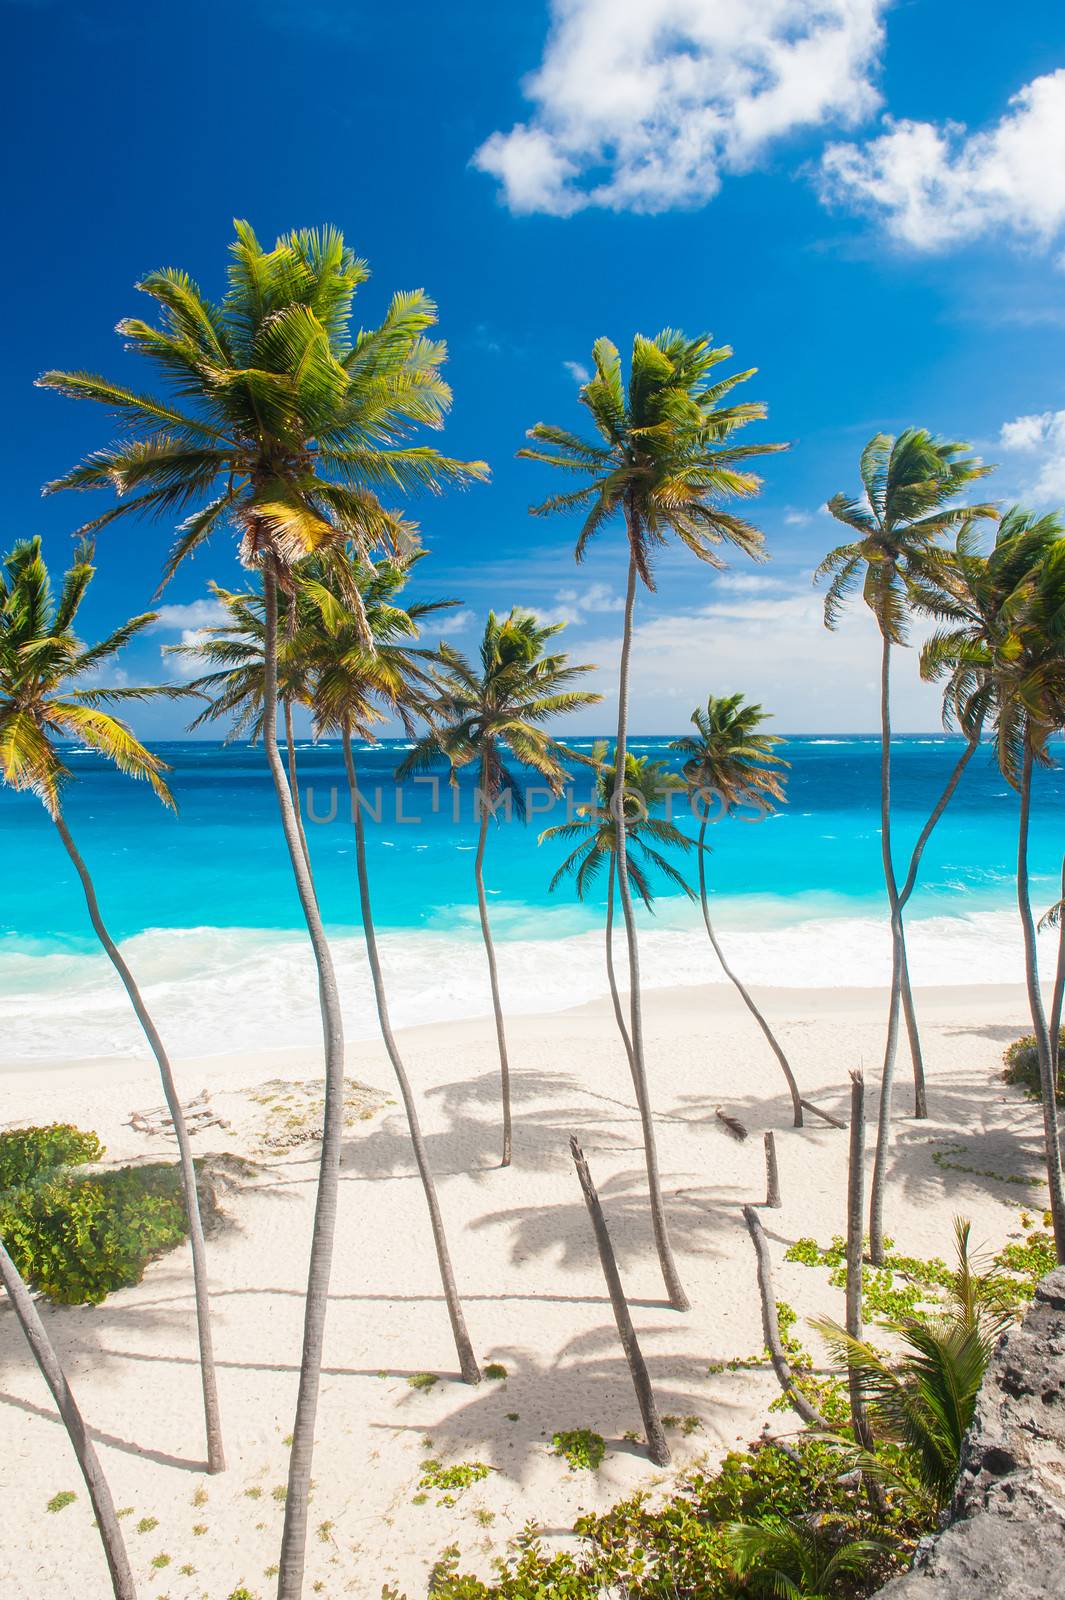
[(581, 1448), (1021, 1067), (27, 1153), (77, 1238)]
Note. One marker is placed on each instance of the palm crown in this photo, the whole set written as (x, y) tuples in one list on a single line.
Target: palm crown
[(1002, 649), (42, 662), (477, 716), (728, 756), (665, 456), (279, 419), (908, 482), (597, 831)]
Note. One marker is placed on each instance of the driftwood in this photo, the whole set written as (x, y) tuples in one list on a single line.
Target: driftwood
[(771, 1325), (826, 1116), (657, 1447), (732, 1125), (772, 1176), (198, 1116)]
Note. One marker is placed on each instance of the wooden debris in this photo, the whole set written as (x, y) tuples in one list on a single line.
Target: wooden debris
[(198, 1116), (732, 1125)]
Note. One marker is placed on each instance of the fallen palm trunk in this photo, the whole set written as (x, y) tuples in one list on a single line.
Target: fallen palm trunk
[(771, 1325)]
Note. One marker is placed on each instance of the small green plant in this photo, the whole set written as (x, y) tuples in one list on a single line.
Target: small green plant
[(188, 1570), (146, 1524), (199, 1495), (287, 1441), (495, 1369), (279, 1493), (124, 1511), (484, 1516), (423, 1380), (271, 1571), (419, 1499), (161, 1560), (325, 1531), (513, 1416), (241, 1593), (199, 1529), (581, 1448), (253, 1493), (1020, 1067), (453, 1480), (27, 1153), (65, 1497)]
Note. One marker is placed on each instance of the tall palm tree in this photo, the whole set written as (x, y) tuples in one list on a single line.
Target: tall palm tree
[(29, 1319), (1002, 653), (47, 694), (481, 716), (283, 424), (909, 485), (363, 665), (732, 763), (595, 829), (664, 460)]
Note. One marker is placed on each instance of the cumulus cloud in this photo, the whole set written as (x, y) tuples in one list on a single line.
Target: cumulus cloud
[(574, 604), (194, 614), (641, 105), (940, 185), (577, 371), (1039, 441)]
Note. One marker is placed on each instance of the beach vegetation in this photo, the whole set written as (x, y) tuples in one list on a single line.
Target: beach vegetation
[(495, 1370), (451, 1480), (28, 1153), (146, 1524), (1021, 1067), (65, 1497), (482, 715), (423, 1380), (580, 1447)]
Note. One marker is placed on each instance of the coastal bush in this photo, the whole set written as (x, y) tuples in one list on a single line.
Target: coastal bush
[(26, 1153), (1021, 1067), (78, 1238), (581, 1448)]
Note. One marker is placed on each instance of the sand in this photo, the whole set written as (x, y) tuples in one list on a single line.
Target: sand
[(526, 1265)]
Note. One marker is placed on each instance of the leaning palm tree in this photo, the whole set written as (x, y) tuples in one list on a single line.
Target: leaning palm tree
[(47, 694), (283, 424), (1002, 653), (731, 763), (664, 462), (363, 665), (910, 484), (596, 832), (481, 716)]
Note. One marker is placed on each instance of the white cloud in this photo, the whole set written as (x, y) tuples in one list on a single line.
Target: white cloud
[(186, 667), (574, 604), (195, 614), (939, 185), (797, 519), (1040, 437), (641, 105), (577, 371), (454, 622)]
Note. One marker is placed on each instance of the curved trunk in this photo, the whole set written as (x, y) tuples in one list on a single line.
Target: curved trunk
[(99, 1491), (294, 1536), (467, 1360), (770, 1037), (1059, 987), (493, 975), (670, 1276), (293, 783), (615, 997), (887, 1078), (1039, 1022), (215, 1454)]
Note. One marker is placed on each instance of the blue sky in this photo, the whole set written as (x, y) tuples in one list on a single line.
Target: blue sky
[(866, 200)]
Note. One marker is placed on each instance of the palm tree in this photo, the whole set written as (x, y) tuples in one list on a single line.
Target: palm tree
[(731, 762), (925, 1400), (42, 664), (596, 830), (664, 461), (1002, 652), (800, 1558), (283, 424), (29, 1319), (363, 665), (909, 484), (480, 716)]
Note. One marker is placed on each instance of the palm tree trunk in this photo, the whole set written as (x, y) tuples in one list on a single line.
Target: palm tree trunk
[(294, 1536), (99, 1491), (1047, 1081), (855, 1214), (615, 997), (467, 1360), (293, 782), (771, 1325), (771, 1040), (670, 1276), (657, 1446), (1059, 986), (493, 975), (887, 1078), (216, 1460)]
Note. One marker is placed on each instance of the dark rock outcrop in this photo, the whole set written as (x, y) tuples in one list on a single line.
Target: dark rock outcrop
[(1004, 1537)]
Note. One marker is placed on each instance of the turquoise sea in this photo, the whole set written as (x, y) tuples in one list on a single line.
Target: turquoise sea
[(205, 905)]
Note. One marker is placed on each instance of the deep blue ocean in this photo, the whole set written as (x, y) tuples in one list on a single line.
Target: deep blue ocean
[(206, 896)]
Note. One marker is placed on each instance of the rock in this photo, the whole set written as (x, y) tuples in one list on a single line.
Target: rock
[(1004, 1535)]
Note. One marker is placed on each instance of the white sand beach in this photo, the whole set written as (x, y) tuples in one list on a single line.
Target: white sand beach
[(527, 1269)]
